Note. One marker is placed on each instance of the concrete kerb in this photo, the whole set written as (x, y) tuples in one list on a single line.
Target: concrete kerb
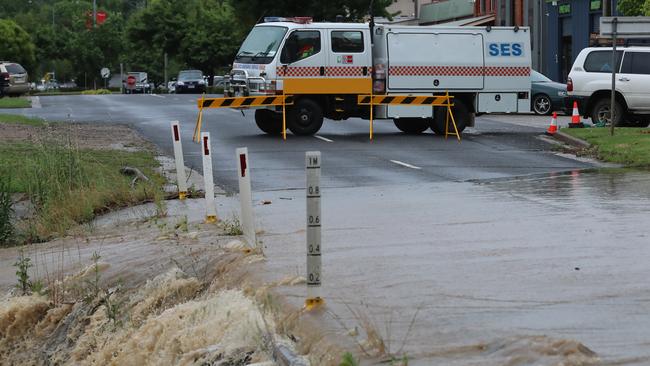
[(573, 141)]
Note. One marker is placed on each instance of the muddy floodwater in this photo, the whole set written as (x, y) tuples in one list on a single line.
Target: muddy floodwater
[(538, 270)]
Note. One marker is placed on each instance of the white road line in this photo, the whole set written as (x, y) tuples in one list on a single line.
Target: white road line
[(36, 102), (323, 138), (405, 164), (157, 96)]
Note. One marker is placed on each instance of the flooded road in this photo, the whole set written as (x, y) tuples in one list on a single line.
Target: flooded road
[(539, 269)]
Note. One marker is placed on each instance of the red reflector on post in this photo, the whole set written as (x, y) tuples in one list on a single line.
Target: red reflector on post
[(176, 137), (206, 148), (242, 164)]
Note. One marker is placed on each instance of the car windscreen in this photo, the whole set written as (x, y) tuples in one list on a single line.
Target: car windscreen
[(190, 75), (15, 69), (536, 77), (261, 45), (140, 76)]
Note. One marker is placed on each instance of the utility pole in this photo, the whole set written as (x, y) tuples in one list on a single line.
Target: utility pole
[(94, 13), (614, 65), (607, 8)]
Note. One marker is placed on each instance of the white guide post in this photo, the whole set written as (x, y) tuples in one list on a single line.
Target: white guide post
[(314, 275), (210, 208), (245, 196), (180, 162)]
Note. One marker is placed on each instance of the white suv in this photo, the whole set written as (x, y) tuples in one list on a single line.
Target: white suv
[(590, 83)]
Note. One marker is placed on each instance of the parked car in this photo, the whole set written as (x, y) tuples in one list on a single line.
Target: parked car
[(547, 95), (218, 82), (13, 79), (590, 83), (137, 82), (190, 81)]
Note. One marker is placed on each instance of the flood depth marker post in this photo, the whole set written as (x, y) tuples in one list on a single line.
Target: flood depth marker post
[(210, 208), (180, 163), (312, 165), (245, 196)]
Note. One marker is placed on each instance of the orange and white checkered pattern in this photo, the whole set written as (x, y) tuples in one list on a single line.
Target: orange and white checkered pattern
[(298, 71), (330, 71), (507, 71), (458, 71)]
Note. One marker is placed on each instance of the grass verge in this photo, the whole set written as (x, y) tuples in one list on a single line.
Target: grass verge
[(15, 103), (22, 120), (68, 186), (629, 146)]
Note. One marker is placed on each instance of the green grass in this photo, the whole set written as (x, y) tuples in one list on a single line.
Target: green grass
[(69, 186), (629, 146), (23, 120), (8, 102)]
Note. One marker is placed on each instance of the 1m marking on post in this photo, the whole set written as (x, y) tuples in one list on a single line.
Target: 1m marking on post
[(314, 275)]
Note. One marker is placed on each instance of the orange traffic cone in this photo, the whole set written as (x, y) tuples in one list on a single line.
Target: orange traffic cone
[(552, 129), (575, 117)]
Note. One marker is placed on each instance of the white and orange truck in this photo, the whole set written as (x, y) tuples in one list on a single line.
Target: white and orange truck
[(326, 66)]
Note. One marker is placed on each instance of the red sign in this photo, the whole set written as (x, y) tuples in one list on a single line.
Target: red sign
[(101, 17)]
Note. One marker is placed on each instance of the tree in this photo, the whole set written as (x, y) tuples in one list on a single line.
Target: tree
[(250, 11), (631, 7), (17, 44)]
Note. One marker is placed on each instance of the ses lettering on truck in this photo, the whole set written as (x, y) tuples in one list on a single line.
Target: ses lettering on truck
[(505, 49)]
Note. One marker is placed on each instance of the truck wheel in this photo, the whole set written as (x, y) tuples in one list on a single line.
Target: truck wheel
[(305, 118), (542, 104), (462, 116), (600, 112), (268, 121), (412, 126)]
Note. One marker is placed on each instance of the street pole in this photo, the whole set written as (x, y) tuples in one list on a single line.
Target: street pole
[(121, 78), (165, 70), (94, 13), (613, 101)]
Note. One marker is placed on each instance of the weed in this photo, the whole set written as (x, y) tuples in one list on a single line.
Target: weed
[(23, 264), (113, 307), (37, 287), (404, 361), (97, 277), (161, 205), (348, 360), (182, 225), (6, 210), (232, 226)]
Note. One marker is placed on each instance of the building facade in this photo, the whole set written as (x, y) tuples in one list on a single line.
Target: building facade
[(570, 27)]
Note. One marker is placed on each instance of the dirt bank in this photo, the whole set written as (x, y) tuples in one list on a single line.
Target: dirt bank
[(149, 291)]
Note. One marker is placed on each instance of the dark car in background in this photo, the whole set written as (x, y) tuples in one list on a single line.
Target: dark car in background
[(190, 81), (547, 95), (13, 79)]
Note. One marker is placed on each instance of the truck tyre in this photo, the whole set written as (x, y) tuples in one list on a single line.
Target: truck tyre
[(411, 126), (542, 104), (600, 111), (462, 117), (268, 121), (305, 118)]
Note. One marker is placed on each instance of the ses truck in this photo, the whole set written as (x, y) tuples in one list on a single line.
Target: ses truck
[(325, 66)]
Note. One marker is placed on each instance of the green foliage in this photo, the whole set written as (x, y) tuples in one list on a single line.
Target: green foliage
[(6, 209), (348, 360), (96, 92), (629, 146), (23, 265), (17, 45), (69, 186), (631, 7), (19, 119), (15, 103), (201, 34)]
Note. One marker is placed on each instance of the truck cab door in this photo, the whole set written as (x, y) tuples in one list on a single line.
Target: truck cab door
[(350, 60), (302, 61)]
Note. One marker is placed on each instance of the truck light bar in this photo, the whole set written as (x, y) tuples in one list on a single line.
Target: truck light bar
[(299, 20)]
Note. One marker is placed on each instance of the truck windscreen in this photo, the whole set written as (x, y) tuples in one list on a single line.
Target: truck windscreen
[(261, 45)]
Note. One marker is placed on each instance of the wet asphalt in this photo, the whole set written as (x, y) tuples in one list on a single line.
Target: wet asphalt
[(481, 252)]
